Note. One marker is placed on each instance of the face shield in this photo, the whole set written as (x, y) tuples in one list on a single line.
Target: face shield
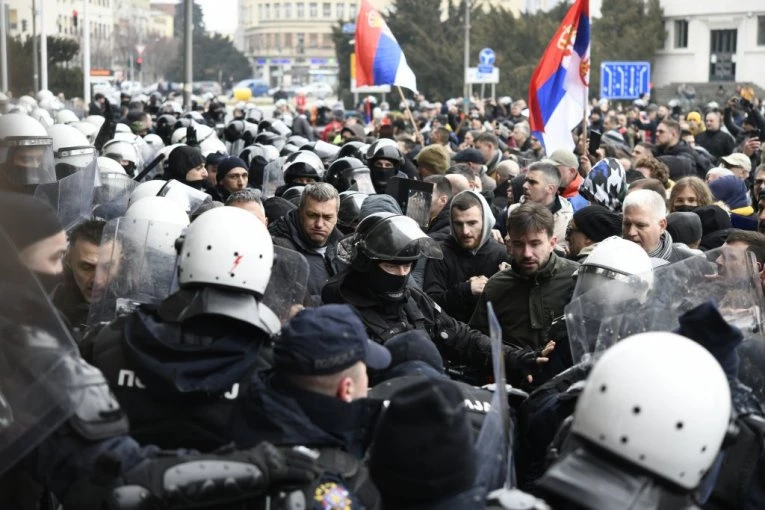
[(28, 160)]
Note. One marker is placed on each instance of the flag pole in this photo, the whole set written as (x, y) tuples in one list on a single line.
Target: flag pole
[(417, 133), (584, 120)]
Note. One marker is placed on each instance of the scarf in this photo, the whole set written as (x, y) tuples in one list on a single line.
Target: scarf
[(664, 249)]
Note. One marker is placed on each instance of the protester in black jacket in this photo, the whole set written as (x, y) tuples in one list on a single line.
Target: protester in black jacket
[(471, 256)]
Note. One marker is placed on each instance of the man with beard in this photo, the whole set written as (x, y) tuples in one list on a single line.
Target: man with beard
[(470, 257), (534, 289), (681, 158)]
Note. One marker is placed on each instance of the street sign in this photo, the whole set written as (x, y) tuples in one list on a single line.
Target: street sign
[(139, 48), (486, 57), (349, 28), (474, 75), (624, 80)]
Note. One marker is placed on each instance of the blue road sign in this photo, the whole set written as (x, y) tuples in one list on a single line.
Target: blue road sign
[(485, 69), (349, 28), (486, 57), (624, 80)]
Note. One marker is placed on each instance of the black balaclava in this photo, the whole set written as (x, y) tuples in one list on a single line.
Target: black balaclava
[(181, 160), (381, 176), (389, 287)]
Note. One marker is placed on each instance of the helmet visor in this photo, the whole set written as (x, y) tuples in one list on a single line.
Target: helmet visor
[(399, 238)]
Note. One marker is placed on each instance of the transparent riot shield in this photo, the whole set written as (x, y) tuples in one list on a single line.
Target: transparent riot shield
[(189, 198), (273, 177), (726, 276), (136, 265), (72, 196), (494, 444), (362, 182), (288, 284), (110, 199), (36, 356), (414, 198)]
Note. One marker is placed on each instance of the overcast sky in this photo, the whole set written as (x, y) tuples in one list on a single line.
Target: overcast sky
[(220, 15)]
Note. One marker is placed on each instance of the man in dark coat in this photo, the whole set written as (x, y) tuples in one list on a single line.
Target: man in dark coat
[(310, 230), (471, 257)]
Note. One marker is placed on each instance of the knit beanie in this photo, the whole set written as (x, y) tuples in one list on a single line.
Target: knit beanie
[(27, 220), (423, 445), (731, 190), (228, 164), (684, 227), (598, 222)]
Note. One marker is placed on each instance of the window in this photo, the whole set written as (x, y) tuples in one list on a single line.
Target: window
[(287, 10), (277, 10), (341, 11), (313, 40), (267, 11), (760, 30), (288, 41), (326, 10), (326, 41), (681, 33), (300, 10), (352, 10), (313, 10)]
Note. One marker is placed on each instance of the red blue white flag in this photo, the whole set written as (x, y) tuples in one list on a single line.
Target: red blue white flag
[(559, 85), (379, 59)]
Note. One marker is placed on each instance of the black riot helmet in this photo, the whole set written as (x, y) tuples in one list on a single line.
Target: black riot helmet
[(250, 133), (392, 238), (350, 209), (340, 172), (276, 126), (302, 165), (382, 172), (234, 130), (253, 115), (327, 152), (351, 150)]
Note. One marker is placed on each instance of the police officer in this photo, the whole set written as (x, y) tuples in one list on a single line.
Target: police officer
[(381, 254), (386, 162), (60, 426), (26, 154), (177, 368)]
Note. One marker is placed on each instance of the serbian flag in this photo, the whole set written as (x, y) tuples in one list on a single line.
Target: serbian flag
[(379, 59), (559, 85)]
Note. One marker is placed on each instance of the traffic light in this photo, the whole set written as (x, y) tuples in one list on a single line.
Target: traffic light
[(74, 18), (138, 62)]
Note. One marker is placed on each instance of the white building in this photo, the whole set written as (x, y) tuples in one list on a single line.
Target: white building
[(712, 41)]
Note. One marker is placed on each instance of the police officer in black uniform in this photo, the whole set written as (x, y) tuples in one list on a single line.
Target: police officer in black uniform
[(381, 254), (177, 368)]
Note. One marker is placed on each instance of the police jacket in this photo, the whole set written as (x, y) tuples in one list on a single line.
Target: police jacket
[(288, 234), (177, 382), (527, 305), (70, 301), (459, 344)]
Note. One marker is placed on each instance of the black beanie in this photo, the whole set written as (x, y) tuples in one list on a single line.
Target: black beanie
[(598, 222), (27, 220), (276, 207), (228, 164), (423, 447), (181, 160), (684, 227)]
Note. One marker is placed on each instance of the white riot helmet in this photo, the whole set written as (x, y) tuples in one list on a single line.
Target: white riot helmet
[(122, 128), (161, 209), (215, 253), (27, 103), (66, 116), (616, 259), (146, 189), (26, 152), (659, 401), (71, 150), (154, 144), (42, 116), (96, 120), (109, 166), (86, 128), (123, 152)]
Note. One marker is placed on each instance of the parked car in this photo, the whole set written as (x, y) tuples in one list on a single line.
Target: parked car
[(201, 88), (319, 90), (258, 87)]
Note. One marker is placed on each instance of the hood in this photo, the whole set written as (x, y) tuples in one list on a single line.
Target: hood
[(488, 218), (193, 358)]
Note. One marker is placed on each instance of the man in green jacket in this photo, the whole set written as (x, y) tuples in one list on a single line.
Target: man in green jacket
[(530, 295)]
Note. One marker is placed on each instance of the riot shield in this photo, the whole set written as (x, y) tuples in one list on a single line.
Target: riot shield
[(191, 199), (136, 265), (362, 182), (36, 353), (494, 446), (288, 284), (110, 199), (727, 276), (414, 198), (72, 196), (273, 177)]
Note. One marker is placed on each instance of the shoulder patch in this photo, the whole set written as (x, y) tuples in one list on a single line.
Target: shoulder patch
[(332, 496)]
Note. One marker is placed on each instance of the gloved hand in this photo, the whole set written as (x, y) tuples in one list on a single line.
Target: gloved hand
[(191, 137), (523, 363), (175, 480)]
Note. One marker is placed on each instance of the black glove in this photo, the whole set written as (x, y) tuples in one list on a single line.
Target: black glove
[(191, 137), (520, 364)]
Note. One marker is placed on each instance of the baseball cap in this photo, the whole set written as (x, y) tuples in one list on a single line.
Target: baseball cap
[(738, 159), (563, 157), (326, 340)]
